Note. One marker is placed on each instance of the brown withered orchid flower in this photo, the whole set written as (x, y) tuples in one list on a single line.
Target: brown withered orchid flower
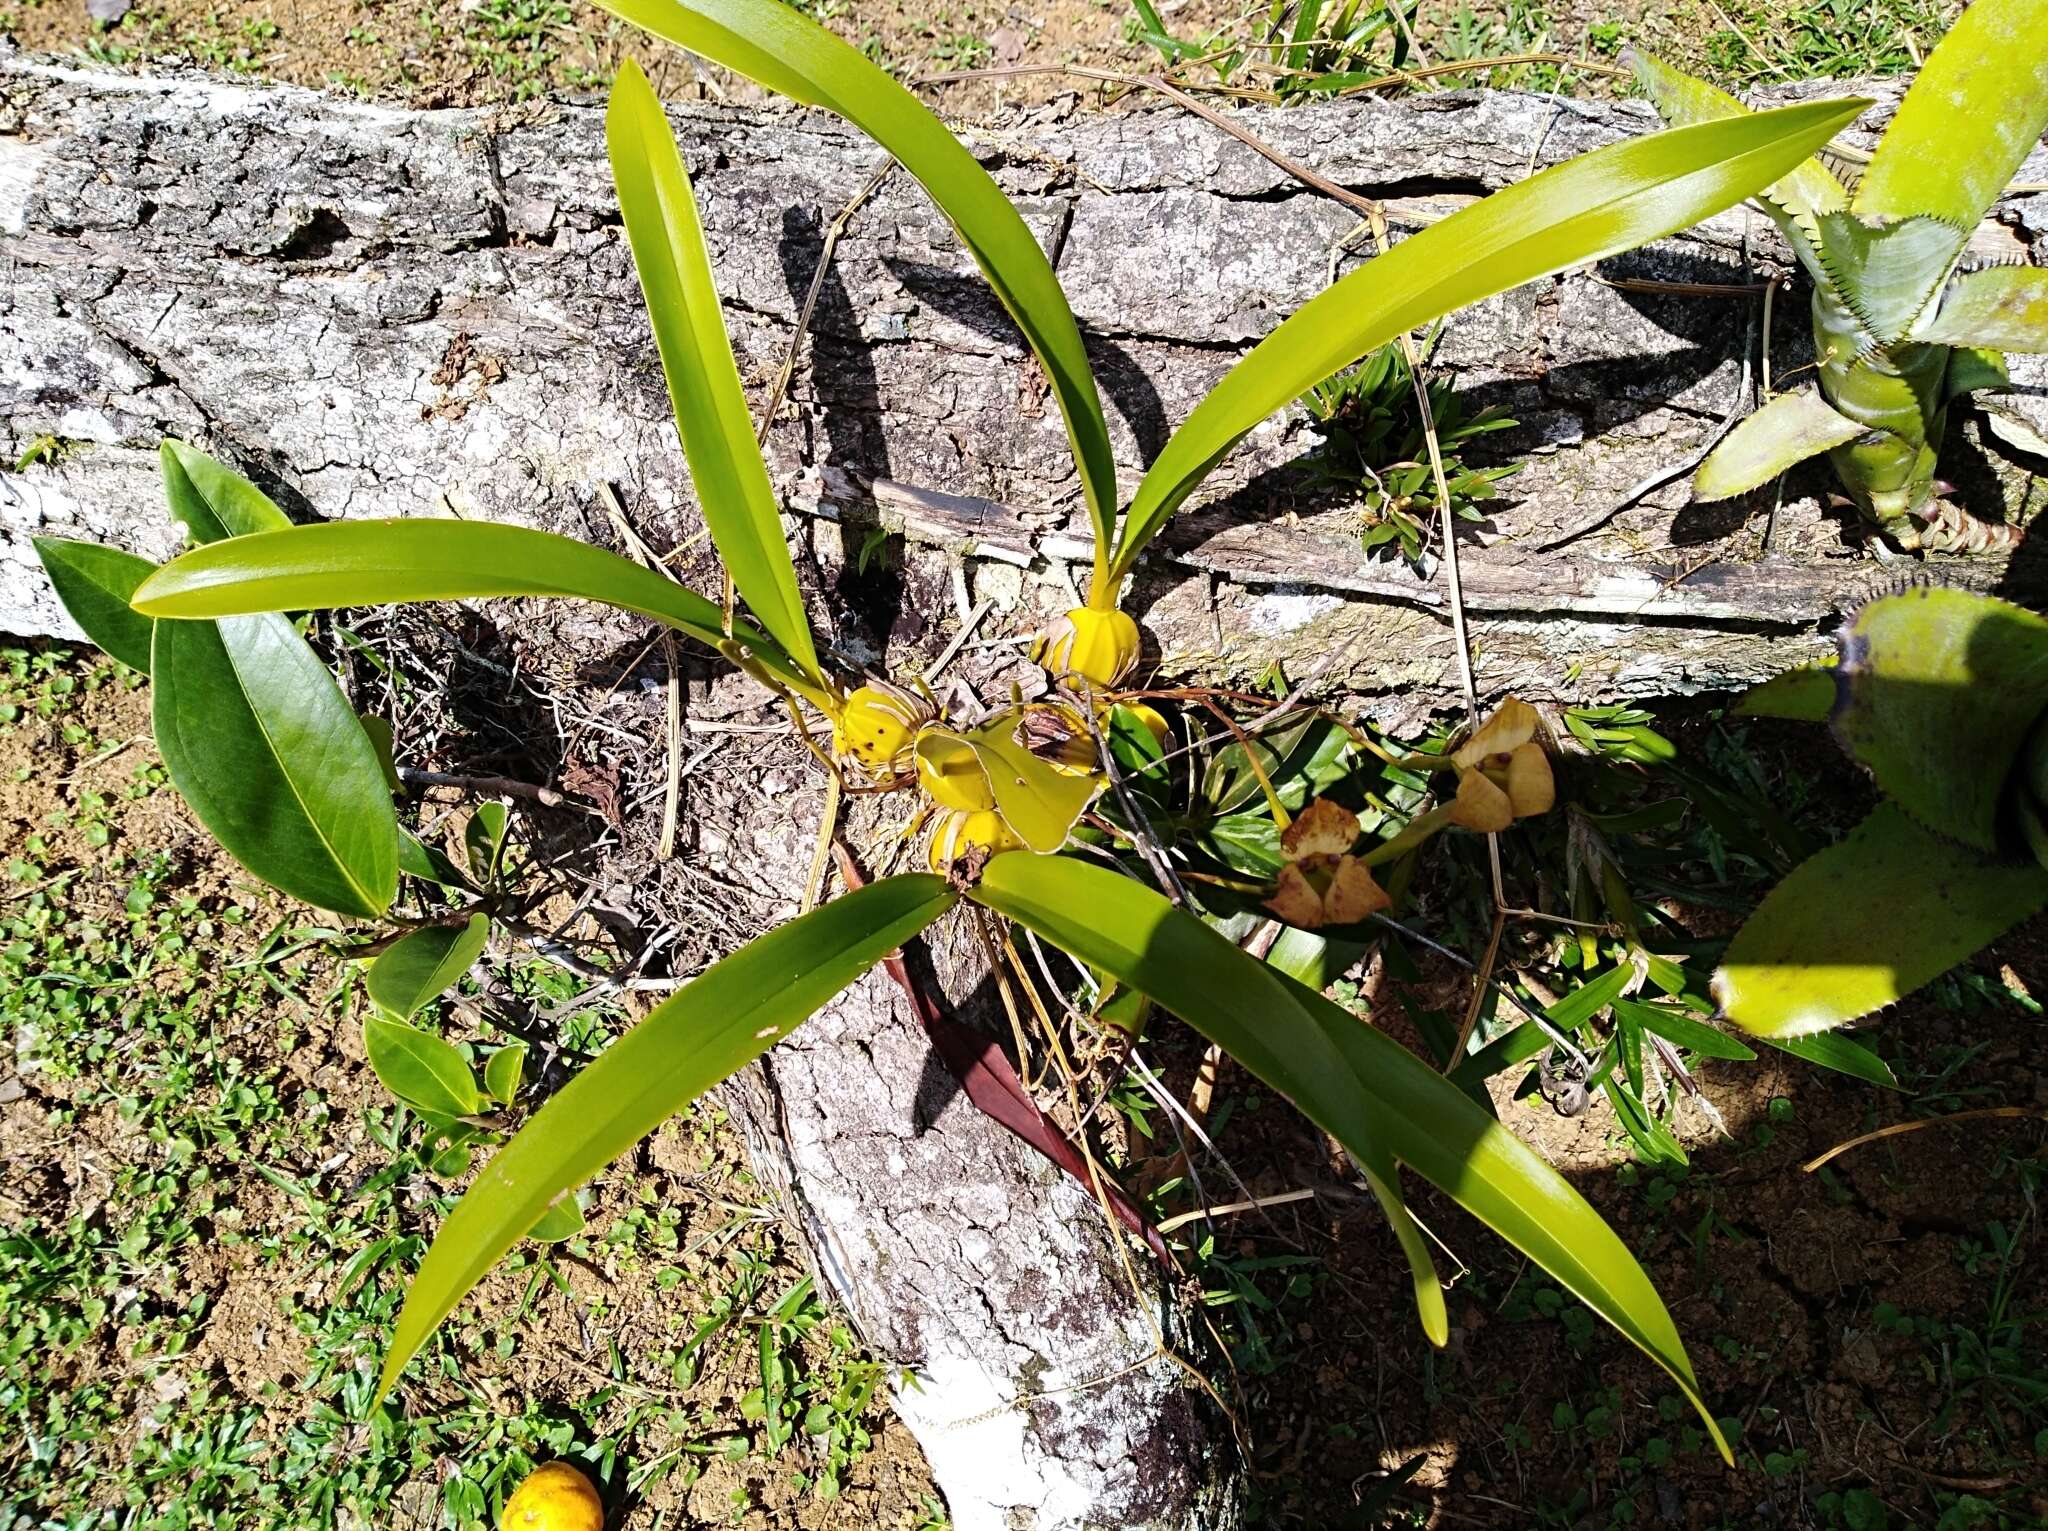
[(1322, 882), (1503, 772)]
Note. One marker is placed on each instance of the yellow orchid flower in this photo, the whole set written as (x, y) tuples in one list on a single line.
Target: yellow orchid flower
[(877, 725), (1503, 772), (975, 836), (1322, 882), (1100, 647), (951, 773)]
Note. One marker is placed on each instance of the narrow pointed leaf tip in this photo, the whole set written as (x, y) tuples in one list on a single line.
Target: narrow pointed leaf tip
[(669, 253), (1379, 1100), (728, 1016), (776, 46), (1596, 205)]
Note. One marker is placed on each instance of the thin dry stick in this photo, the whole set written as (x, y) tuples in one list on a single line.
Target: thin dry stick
[(833, 231), (672, 790), (1255, 1204), (1899, 1128), (546, 796), (671, 797)]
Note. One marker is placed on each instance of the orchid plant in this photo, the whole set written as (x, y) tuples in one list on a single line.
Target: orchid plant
[(261, 741)]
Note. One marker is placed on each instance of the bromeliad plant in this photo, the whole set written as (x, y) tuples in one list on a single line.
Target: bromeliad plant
[(1942, 695), (1901, 328), (257, 735)]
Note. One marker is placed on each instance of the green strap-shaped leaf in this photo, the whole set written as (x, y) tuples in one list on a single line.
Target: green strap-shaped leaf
[(1348, 1078), (1300, 955), (696, 357), (420, 1068), (1939, 690), (1804, 694), (212, 500), (728, 1016), (374, 563), (95, 584), (1782, 434), (2003, 309), (1865, 923), (1809, 189), (1973, 113), (1831, 1050), (260, 741), (1610, 200), (419, 968), (789, 53), (1888, 276)]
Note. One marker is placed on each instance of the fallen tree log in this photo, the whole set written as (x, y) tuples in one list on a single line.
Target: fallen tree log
[(400, 313), (378, 312)]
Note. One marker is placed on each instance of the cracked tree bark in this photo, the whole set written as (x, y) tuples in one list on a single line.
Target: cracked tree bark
[(379, 312)]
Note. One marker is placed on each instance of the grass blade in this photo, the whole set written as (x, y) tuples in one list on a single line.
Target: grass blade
[(1349, 1079), (696, 357), (1610, 200), (728, 1016)]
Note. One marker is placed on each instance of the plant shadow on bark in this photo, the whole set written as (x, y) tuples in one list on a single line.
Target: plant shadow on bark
[(867, 592), (967, 301)]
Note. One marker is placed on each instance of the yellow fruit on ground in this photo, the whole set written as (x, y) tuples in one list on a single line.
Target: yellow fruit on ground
[(554, 1497)]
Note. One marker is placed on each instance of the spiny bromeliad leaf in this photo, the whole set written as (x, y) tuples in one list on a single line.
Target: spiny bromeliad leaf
[(1975, 368), (1865, 923), (1889, 275), (1797, 198), (1802, 695), (1976, 109), (1785, 432), (2003, 309), (1939, 691)]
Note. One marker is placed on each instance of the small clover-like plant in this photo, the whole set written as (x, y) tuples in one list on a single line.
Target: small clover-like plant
[(1901, 327), (261, 742), (1942, 695)]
